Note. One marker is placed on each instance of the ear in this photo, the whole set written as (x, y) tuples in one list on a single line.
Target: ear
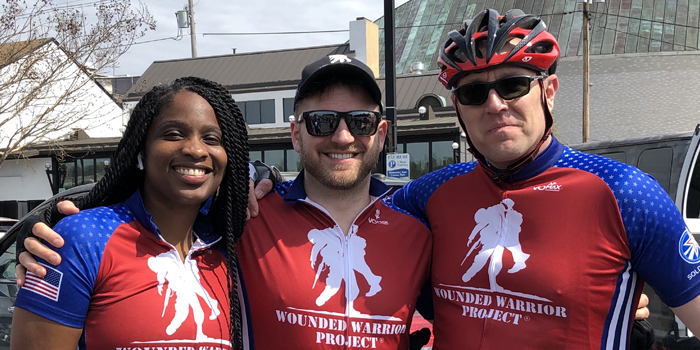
[(551, 87), (381, 133), (294, 128)]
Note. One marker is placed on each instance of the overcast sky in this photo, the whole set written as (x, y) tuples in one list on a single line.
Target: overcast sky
[(227, 16)]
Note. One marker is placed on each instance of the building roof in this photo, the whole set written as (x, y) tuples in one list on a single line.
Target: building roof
[(12, 51), (268, 70), (617, 26), (80, 147)]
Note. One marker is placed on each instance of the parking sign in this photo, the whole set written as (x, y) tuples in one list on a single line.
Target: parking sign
[(398, 165)]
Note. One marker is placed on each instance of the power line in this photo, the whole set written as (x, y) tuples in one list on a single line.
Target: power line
[(154, 40), (56, 7), (281, 33)]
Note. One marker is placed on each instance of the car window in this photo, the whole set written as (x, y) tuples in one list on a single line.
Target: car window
[(7, 263)]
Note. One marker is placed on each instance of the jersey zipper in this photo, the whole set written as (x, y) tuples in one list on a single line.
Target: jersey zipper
[(345, 239)]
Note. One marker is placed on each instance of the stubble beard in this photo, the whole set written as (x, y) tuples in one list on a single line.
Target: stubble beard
[(339, 183)]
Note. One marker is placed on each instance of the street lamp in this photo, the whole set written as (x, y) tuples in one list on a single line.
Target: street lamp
[(455, 152)]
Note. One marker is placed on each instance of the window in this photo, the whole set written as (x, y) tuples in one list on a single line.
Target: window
[(267, 112), (252, 112), (293, 161), (101, 165), (657, 163), (82, 171), (618, 156), (442, 154), (692, 205), (275, 158), (431, 101), (427, 156), (69, 181), (288, 106), (284, 158), (88, 167), (419, 158), (255, 155), (258, 112)]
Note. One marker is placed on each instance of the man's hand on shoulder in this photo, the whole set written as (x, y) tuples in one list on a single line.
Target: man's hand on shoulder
[(262, 179), (34, 243)]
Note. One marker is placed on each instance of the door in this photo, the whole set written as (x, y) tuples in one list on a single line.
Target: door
[(688, 196)]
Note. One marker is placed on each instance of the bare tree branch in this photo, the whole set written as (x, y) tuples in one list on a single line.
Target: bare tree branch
[(48, 59)]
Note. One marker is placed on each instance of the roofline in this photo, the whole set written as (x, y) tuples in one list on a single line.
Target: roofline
[(249, 53), (46, 41)]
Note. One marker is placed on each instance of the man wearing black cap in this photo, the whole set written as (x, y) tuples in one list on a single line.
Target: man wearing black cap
[(327, 264)]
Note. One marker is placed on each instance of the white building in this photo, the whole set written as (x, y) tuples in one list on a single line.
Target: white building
[(62, 97)]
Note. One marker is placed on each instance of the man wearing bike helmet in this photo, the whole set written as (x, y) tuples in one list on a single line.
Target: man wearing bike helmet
[(538, 245)]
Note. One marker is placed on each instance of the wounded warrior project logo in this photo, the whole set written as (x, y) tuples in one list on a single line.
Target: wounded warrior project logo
[(497, 229), (332, 256), (184, 293)]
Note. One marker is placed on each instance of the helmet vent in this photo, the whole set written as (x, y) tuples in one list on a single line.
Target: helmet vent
[(540, 47)]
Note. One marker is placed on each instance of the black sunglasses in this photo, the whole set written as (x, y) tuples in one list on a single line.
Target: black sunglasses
[(474, 94), (324, 123)]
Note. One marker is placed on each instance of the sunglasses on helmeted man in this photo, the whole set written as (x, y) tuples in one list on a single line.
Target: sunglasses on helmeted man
[(474, 94), (324, 123)]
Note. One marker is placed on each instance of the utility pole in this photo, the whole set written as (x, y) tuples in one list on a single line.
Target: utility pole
[(389, 72), (193, 35), (586, 73)]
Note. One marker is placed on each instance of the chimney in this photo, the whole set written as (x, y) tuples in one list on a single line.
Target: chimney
[(364, 40)]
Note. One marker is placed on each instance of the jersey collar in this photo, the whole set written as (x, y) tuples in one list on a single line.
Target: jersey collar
[(202, 227), (297, 192), (542, 162)]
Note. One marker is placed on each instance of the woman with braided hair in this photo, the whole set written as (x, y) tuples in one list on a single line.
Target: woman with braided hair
[(144, 268)]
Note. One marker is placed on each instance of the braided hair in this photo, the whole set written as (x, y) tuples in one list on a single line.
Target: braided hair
[(228, 209)]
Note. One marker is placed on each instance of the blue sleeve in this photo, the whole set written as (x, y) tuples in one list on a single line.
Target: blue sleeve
[(414, 196), (664, 253), (64, 294)]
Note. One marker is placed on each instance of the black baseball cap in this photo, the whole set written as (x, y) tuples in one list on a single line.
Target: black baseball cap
[(342, 67)]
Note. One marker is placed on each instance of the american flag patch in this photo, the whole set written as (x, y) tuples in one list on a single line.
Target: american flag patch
[(49, 286)]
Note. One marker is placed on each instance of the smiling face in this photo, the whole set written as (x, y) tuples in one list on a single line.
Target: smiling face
[(340, 161), (183, 157), (505, 130)]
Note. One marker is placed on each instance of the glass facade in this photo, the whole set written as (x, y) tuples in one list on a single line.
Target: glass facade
[(275, 158), (441, 154), (81, 171), (420, 158), (286, 159), (293, 161), (426, 156)]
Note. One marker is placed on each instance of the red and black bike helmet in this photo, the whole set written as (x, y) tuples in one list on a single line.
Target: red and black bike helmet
[(480, 44)]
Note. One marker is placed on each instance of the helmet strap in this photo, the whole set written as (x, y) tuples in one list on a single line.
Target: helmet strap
[(506, 175)]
